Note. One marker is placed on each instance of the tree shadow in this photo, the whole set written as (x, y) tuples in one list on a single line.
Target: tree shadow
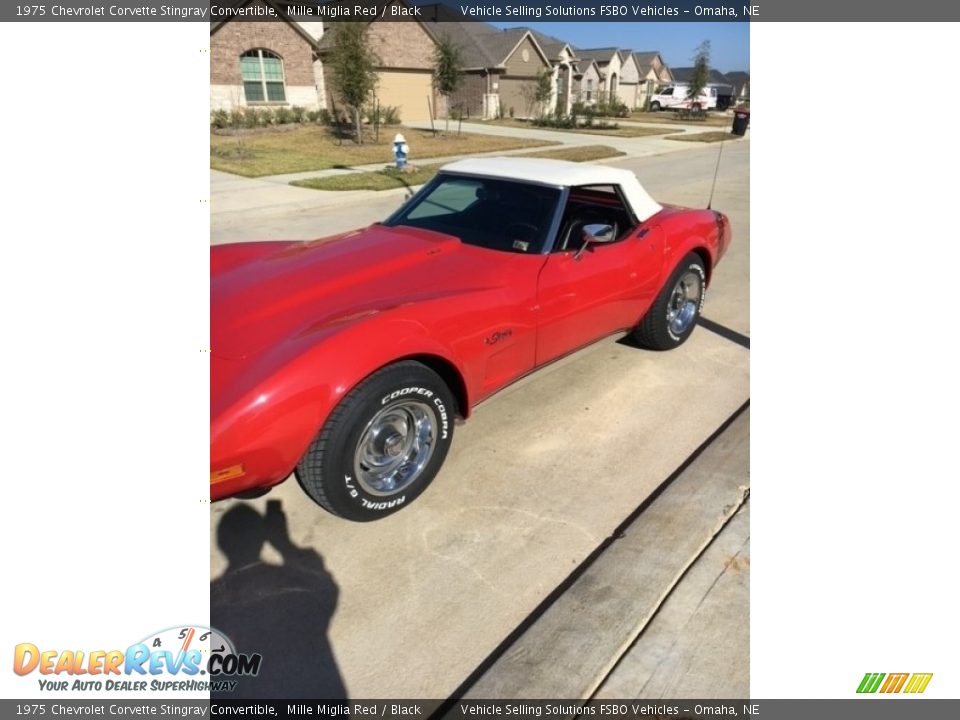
[(279, 611)]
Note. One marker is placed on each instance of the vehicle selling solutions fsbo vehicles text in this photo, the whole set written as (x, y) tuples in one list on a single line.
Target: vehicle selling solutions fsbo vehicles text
[(526, 11)]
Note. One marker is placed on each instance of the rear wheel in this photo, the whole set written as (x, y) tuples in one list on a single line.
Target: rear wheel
[(674, 314), (382, 445), (654, 107)]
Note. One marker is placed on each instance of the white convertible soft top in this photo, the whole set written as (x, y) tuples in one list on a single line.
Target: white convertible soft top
[(561, 173)]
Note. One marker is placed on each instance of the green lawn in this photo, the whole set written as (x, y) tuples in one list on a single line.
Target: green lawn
[(389, 178), (314, 147)]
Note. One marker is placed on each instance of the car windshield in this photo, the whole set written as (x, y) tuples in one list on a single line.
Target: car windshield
[(487, 212)]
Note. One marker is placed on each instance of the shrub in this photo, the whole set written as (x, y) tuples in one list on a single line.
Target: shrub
[(283, 116), (219, 119), (236, 118), (511, 112), (500, 110), (250, 118), (324, 117), (299, 113), (618, 108), (387, 115), (313, 116)]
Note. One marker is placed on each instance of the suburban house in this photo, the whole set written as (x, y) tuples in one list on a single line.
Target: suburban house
[(269, 64), (741, 85), (588, 82), (608, 62), (404, 70), (501, 66), (654, 73), (281, 63), (564, 61), (629, 85)]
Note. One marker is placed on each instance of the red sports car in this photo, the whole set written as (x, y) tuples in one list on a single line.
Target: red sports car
[(348, 359)]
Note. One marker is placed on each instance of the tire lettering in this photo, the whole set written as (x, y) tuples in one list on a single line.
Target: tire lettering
[(444, 422), (383, 505), (406, 391), (348, 481)]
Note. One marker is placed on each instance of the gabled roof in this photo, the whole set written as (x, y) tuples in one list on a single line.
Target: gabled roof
[(646, 57), (684, 74), (739, 79), (584, 65), (279, 8), (326, 42), (552, 46), (602, 56), (481, 45)]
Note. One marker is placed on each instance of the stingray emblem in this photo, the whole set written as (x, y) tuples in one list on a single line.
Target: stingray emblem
[(498, 336)]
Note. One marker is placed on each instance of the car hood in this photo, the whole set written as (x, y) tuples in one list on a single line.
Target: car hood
[(263, 293)]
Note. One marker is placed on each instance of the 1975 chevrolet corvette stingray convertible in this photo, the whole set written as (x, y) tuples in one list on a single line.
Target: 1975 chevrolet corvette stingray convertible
[(348, 359)]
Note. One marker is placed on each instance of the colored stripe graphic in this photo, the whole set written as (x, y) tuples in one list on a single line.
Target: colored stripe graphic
[(894, 682), (918, 682), (870, 682)]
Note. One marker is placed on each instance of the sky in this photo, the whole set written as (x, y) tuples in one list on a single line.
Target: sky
[(676, 41)]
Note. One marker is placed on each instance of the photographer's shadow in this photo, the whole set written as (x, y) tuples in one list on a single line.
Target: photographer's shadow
[(279, 611)]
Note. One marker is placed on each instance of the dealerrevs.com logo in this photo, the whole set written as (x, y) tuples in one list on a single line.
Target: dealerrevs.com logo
[(894, 683), (183, 659)]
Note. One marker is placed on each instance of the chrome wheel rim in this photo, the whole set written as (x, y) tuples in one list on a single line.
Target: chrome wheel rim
[(684, 302), (395, 447)]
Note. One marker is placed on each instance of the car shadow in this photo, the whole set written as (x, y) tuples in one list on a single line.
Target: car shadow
[(280, 611)]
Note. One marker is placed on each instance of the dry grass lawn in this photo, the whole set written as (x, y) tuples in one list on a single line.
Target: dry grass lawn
[(314, 147), (388, 178)]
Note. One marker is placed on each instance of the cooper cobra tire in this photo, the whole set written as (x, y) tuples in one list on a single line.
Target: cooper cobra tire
[(382, 445), (673, 316)]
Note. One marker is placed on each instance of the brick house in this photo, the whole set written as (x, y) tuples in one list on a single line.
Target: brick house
[(500, 65), (270, 63), (405, 67)]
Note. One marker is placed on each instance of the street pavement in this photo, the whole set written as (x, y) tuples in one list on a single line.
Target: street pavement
[(536, 481)]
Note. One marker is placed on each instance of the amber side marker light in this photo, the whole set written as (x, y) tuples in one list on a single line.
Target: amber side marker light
[(234, 471)]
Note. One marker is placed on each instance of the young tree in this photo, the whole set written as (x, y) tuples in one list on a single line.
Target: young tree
[(701, 72), (353, 66), (544, 89), (537, 92), (447, 70)]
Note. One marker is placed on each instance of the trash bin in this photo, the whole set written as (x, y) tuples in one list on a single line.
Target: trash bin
[(741, 118)]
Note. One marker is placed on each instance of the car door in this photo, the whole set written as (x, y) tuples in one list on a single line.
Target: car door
[(582, 297)]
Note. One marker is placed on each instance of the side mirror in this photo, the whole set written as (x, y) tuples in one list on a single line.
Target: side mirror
[(596, 233)]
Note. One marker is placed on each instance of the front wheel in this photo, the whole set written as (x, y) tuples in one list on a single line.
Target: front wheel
[(654, 107), (674, 314), (382, 445)]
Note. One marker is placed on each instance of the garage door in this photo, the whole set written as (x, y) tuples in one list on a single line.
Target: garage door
[(512, 95), (407, 91)]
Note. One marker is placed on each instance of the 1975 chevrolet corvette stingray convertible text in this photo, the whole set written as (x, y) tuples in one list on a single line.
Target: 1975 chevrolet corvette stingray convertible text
[(348, 359)]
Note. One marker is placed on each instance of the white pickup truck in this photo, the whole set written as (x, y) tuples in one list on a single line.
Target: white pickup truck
[(675, 97)]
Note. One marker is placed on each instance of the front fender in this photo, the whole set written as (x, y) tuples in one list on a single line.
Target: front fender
[(267, 428)]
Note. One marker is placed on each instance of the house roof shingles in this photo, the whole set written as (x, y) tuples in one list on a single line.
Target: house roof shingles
[(683, 74)]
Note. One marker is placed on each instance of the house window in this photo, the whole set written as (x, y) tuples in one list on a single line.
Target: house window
[(262, 73), (589, 89)]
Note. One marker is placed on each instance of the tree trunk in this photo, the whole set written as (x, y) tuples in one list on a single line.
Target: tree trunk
[(356, 115)]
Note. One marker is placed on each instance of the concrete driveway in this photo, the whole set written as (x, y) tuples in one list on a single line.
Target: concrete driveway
[(542, 474)]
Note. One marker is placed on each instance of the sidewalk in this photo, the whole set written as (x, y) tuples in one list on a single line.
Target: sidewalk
[(636, 147)]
